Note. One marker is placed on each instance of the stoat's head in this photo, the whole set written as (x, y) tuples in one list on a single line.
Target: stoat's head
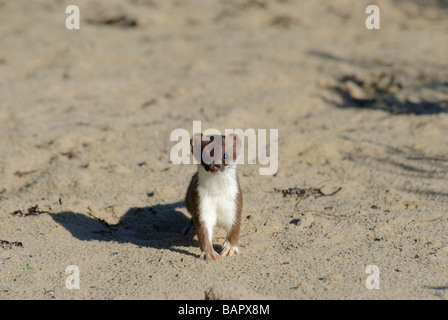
[(215, 152)]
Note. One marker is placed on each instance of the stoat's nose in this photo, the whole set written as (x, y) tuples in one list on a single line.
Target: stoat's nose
[(214, 168)]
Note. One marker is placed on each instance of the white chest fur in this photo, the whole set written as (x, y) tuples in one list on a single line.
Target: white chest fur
[(217, 198)]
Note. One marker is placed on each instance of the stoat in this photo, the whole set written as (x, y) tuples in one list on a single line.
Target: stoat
[(214, 197)]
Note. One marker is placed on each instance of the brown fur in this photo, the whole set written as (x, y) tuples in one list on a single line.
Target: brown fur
[(192, 201)]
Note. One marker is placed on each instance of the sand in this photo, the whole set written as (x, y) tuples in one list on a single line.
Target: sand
[(85, 123)]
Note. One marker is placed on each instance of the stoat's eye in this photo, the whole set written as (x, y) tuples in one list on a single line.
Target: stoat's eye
[(224, 156)]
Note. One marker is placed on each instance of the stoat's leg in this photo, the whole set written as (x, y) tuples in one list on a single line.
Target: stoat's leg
[(209, 255), (228, 250), (230, 246), (205, 234)]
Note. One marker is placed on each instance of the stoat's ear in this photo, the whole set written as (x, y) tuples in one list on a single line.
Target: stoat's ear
[(196, 146), (236, 141), (235, 146), (196, 141)]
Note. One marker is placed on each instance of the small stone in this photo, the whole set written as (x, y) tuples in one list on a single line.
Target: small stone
[(306, 221), (355, 91)]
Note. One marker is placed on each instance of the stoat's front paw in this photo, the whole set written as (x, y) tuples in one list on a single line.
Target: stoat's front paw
[(229, 250), (210, 256)]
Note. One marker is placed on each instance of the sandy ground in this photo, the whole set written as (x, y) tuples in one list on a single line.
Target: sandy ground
[(85, 122)]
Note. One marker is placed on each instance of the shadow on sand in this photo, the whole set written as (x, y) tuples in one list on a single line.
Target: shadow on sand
[(158, 226)]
